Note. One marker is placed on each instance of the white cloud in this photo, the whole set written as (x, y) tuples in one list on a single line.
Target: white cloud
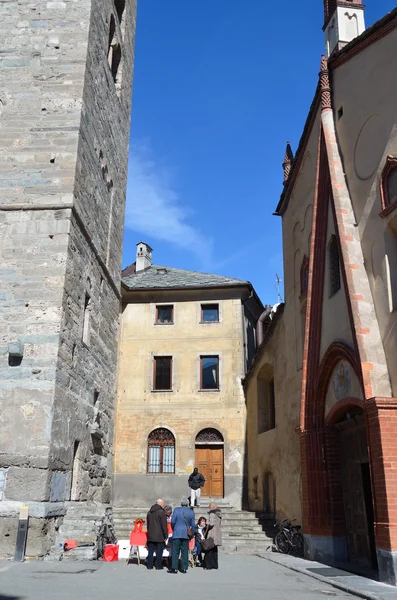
[(154, 207)]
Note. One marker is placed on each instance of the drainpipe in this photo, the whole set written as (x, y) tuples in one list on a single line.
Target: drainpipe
[(259, 328)]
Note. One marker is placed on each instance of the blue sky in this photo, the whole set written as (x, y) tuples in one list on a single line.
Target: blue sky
[(219, 87)]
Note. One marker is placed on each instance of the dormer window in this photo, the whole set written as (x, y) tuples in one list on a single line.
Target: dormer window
[(388, 186)]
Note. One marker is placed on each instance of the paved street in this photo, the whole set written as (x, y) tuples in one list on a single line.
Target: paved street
[(238, 577)]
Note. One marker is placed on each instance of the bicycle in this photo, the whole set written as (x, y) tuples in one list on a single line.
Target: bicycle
[(105, 533), (289, 538)]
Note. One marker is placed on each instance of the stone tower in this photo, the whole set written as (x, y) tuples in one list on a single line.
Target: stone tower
[(65, 100)]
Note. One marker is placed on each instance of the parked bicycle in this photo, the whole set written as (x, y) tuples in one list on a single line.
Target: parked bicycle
[(105, 534), (289, 537)]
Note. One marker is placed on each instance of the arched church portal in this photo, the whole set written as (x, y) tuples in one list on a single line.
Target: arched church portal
[(209, 461), (350, 480)]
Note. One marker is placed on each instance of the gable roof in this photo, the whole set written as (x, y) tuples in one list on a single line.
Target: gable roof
[(168, 278)]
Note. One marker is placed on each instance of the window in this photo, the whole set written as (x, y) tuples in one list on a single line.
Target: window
[(210, 313), (161, 451), (304, 275), (334, 266), (390, 262), (388, 186), (114, 55), (165, 314), (86, 322), (266, 399), (162, 376), (120, 8), (209, 372)]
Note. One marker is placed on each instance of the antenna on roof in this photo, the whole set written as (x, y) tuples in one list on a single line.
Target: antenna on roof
[(278, 281)]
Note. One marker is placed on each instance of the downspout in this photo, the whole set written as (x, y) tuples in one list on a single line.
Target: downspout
[(259, 327)]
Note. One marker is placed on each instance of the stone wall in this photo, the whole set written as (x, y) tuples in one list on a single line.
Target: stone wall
[(65, 99)]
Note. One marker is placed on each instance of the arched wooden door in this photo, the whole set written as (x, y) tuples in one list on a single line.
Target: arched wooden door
[(209, 461)]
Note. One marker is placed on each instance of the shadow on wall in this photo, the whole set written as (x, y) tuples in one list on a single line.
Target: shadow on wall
[(2, 597)]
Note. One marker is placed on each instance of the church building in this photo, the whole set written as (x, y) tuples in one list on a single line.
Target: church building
[(325, 377)]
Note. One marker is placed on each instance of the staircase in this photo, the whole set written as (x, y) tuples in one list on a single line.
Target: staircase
[(242, 531)]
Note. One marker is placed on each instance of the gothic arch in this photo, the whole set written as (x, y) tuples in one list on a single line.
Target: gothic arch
[(336, 352)]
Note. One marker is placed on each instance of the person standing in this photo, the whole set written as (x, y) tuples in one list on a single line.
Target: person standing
[(195, 482), (157, 534), (213, 531), (182, 522)]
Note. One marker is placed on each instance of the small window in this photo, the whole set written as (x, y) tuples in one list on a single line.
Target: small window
[(209, 372), (120, 8), (266, 418), (161, 451), (165, 314), (162, 376), (86, 322), (334, 266), (210, 313)]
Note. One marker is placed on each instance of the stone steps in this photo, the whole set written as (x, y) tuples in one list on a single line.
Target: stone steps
[(242, 531)]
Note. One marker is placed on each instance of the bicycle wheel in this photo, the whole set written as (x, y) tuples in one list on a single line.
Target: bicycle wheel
[(297, 542), (281, 543)]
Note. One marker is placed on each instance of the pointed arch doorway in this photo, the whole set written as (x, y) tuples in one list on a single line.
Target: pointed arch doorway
[(209, 461)]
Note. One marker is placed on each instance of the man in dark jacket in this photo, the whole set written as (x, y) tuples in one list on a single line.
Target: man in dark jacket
[(157, 533), (195, 482)]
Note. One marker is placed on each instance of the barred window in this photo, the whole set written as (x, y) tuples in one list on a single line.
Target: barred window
[(161, 451)]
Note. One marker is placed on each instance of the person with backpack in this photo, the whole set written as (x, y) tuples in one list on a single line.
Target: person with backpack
[(182, 523)]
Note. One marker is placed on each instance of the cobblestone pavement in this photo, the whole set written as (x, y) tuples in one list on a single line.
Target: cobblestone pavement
[(239, 577)]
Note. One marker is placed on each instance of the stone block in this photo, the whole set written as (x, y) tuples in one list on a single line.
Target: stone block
[(60, 486), (8, 536), (15, 348), (26, 484)]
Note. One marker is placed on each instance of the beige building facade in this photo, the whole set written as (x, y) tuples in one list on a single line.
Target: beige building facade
[(187, 340)]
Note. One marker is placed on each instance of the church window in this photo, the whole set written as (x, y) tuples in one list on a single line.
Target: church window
[(388, 186), (304, 275), (209, 372), (162, 375), (210, 313), (334, 266), (164, 314), (161, 451), (266, 400)]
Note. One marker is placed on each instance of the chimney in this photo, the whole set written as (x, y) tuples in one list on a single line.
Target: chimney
[(343, 21), (143, 256)]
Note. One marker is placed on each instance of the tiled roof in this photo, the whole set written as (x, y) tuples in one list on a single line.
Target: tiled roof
[(158, 277)]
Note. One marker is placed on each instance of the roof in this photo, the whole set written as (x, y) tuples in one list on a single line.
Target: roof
[(159, 277)]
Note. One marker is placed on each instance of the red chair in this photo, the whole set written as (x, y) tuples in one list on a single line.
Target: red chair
[(137, 538)]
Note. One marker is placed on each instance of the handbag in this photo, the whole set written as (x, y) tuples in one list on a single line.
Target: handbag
[(207, 544), (189, 529)]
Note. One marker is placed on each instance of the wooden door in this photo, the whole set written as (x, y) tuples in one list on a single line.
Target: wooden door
[(209, 461), (354, 454)]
